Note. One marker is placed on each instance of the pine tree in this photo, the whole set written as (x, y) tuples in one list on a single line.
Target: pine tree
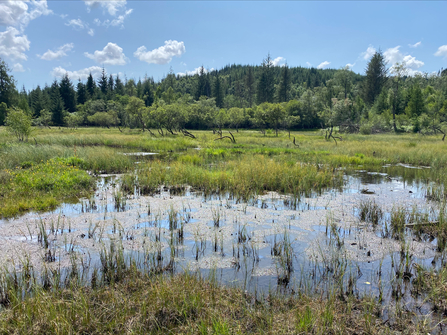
[(284, 85), (102, 83), (266, 87), (249, 85), (36, 101), (119, 87), (81, 93), (376, 76), (148, 95), (57, 105), (91, 87), (110, 84), (8, 93), (217, 91), (67, 93)]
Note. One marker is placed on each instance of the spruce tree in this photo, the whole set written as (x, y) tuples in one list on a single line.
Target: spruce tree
[(284, 84), (67, 93), (119, 87), (81, 93), (217, 91), (148, 95), (102, 83), (8, 93), (266, 86), (91, 87), (249, 85), (57, 105), (376, 76)]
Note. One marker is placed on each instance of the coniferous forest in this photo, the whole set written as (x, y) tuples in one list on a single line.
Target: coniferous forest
[(384, 98)]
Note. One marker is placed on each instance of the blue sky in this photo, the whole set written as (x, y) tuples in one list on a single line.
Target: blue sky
[(41, 40)]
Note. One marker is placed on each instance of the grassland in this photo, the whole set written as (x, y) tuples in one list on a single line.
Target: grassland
[(58, 165)]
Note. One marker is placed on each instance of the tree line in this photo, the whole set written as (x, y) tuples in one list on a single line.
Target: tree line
[(263, 97)]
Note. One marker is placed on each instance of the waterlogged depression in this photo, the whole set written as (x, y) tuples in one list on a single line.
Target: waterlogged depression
[(268, 241)]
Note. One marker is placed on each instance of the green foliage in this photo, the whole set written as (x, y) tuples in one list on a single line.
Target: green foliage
[(376, 76), (43, 185), (18, 123)]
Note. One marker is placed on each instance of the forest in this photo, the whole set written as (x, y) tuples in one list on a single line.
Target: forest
[(264, 97)]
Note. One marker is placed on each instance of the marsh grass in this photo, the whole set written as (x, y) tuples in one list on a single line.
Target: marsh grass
[(121, 297), (41, 186)]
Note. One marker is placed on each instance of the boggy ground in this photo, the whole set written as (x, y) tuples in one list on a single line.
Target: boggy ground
[(234, 175)]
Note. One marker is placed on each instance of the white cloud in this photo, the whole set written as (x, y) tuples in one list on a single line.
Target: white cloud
[(18, 13), (12, 45), (119, 21), (193, 72), (418, 44), (368, 53), (279, 61), (82, 74), (308, 64), (393, 56), (78, 24), (323, 65), (111, 6), (350, 66), (442, 51), (112, 54), (58, 54), (17, 67), (161, 55)]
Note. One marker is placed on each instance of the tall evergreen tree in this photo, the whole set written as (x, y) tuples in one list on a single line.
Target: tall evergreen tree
[(102, 83), (284, 84), (376, 76), (203, 84), (266, 86), (8, 92), (81, 93), (91, 87), (111, 84), (249, 85), (119, 87), (36, 101), (148, 94), (67, 93), (57, 105), (217, 91)]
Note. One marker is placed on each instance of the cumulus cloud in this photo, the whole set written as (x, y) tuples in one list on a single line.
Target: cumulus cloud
[(393, 56), (323, 65), (110, 6), (161, 55), (442, 51), (13, 45), (308, 64), (112, 54), (418, 44), (193, 72), (350, 66), (279, 61), (59, 72), (117, 22), (78, 24), (58, 54), (17, 13), (17, 67), (368, 53)]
